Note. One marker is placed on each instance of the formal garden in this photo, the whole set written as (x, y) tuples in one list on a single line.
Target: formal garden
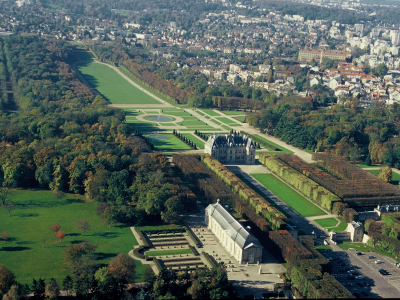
[(169, 247)]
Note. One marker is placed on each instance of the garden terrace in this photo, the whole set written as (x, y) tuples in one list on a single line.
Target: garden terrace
[(356, 186)]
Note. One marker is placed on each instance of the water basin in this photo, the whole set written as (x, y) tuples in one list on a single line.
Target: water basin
[(159, 118)]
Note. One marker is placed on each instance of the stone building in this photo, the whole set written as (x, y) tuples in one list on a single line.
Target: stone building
[(236, 240), (231, 148), (319, 55), (356, 230)]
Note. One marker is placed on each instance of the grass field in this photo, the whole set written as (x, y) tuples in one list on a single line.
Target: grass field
[(330, 222), (228, 121), (272, 203), (168, 252), (112, 86), (364, 248), (289, 196), (233, 112), (365, 166), (395, 176), (283, 150), (199, 143), (341, 227), (84, 55), (210, 112), (173, 143), (241, 119), (35, 212)]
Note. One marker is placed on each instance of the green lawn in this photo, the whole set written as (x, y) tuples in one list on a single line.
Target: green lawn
[(227, 127), (365, 166), (35, 212), (342, 226), (289, 196), (192, 123), (233, 112), (112, 86), (84, 55), (227, 121), (364, 248), (284, 150), (173, 143), (330, 222), (241, 119), (168, 252), (395, 176), (158, 227), (199, 143), (210, 112)]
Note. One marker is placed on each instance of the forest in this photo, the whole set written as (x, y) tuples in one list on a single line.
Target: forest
[(349, 131)]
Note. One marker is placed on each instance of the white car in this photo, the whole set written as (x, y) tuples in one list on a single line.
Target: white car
[(378, 261), (358, 277)]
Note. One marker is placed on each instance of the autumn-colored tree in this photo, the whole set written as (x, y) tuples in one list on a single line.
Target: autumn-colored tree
[(122, 269), (386, 174), (60, 235), (7, 279), (55, 228), (52, 290)]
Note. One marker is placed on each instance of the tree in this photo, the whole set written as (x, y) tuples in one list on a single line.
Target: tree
[(60, 235), (52, 290), (149, 275), (7, 279), (83, 225), (4, 195), (68, 285), (195, 290), (4, 236), (9, 207), (385, 174), (104, 280), (55, 228), (17, 291), (368, 160), (122, 269), (381, 70), (38, 288)]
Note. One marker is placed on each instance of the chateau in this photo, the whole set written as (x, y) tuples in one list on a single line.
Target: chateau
[(231, 148), (239, 243)]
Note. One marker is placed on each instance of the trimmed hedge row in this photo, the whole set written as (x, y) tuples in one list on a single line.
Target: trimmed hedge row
[(257, 203), (164, 236), (194, 239), (261, 142), (305, 185), (181, 259), (170, 244), (209, 259), (194, 250), (167, 240), (199, 263), (137, 254)]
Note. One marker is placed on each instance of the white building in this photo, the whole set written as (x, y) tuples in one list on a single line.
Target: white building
[(231, 148), (239, 243)]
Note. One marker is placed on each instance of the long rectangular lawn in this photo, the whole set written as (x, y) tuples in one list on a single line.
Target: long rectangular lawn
[(112, 86), (289, 196)]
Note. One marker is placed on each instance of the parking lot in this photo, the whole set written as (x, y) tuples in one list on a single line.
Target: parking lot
[(347, 266)]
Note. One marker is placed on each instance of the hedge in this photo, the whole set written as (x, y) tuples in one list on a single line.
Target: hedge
[(157, 263), (197, 263), (210, 260), (181, 259), (257, 203), (171, 244), (137, 254), (305, 185), (194, 250), (194, 239)]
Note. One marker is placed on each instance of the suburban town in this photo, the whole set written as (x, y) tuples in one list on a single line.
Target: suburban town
[(199, 149)]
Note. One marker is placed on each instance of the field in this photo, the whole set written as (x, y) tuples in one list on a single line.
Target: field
[(211, 112), (240, 119), (112, 86), (364, 248), (284, 150), (330, 222), (233, 112), (228, 121), (289, 196), (173, 143), (395, 176), (35, 212)]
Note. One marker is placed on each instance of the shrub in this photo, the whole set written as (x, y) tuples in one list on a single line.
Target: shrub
[(210, 260), (194, 250), (194, 239)]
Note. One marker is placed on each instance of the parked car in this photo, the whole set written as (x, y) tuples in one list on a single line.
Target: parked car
[(359, 253), (378, 261), (367, 283), (341, 270), (355, 267), (371, 256), (342, 264), (359, 277), (364, 293)]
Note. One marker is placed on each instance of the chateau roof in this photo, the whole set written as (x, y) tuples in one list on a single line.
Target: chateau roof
[(236, 231), (229, 141)]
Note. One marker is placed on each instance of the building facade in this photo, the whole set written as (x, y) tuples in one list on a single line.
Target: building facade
[(236, 240), (319, 55), (231, 148)]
